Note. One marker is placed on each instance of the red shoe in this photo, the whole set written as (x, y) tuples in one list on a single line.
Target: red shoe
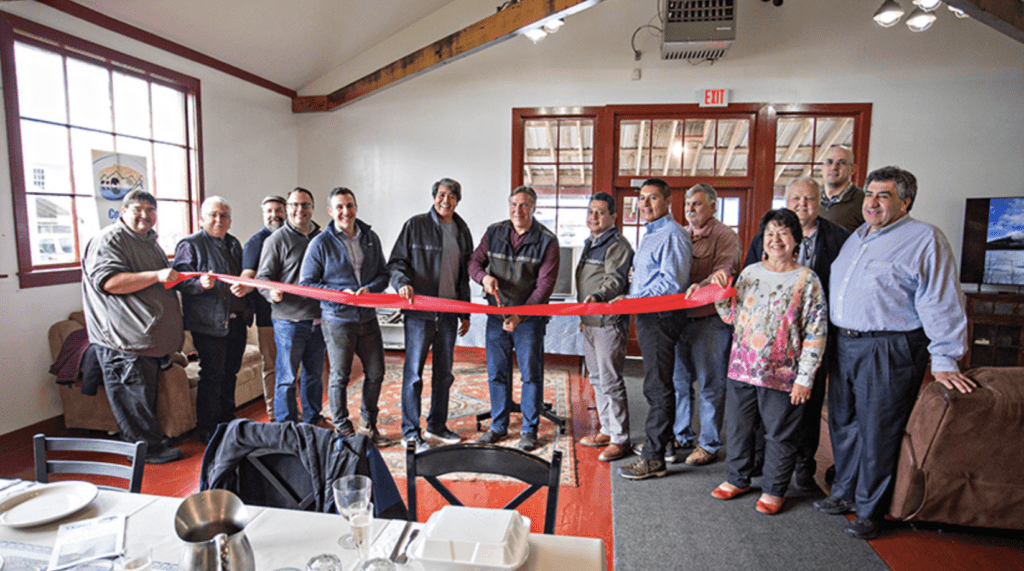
[(724, 494), (768, 509)]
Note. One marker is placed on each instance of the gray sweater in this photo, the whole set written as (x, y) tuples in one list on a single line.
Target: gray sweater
[(281, 261), (147, 322)]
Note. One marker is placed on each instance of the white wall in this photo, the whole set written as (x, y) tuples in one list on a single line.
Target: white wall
[(249, 150), (948, 103)]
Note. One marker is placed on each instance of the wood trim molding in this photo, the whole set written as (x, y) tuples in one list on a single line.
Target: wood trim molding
[(138, 34), (1004, 16), (492, 30)]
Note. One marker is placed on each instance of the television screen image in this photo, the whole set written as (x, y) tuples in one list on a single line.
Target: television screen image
[(993, 251)]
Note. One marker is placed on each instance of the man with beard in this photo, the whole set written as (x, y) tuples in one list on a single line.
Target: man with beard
[(273, 218)]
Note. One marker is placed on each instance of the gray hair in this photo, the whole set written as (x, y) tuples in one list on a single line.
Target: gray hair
[(710, 194), (209, 202), (804, 179), (904, 181), (527, 190)]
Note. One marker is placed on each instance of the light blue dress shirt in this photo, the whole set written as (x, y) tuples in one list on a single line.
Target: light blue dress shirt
[(661, 265), (900, 278)]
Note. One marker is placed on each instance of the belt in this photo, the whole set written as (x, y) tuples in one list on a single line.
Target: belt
[(857, 334)]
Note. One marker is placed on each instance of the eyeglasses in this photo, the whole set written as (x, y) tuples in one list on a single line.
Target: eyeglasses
[(840, 162), (302, 205)]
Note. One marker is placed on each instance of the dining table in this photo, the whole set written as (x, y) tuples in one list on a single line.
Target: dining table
[(280, 538)]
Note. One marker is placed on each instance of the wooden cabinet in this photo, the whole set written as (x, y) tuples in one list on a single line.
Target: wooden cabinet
[(995, 330)]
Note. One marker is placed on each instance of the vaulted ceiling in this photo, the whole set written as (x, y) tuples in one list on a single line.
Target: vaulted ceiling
[(288, 43)]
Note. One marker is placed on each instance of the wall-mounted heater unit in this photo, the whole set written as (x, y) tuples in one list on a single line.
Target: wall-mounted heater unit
[(698, 29)]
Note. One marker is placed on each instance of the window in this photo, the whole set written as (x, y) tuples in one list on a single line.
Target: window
[(84, 121), (558, 162)]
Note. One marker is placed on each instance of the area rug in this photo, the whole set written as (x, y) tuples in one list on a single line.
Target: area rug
[(469, 396)]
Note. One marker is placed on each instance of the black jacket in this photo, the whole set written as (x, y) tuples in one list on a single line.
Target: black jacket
[(831, 238), (209, 311), (416, 258)]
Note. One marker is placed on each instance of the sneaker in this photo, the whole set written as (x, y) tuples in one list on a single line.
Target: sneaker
[(673, 452), (421, 445), (164, 455), (528, 441), (491, 437), (834, 506), (377, 438), (643, 469), (700, 457), (444, 435)]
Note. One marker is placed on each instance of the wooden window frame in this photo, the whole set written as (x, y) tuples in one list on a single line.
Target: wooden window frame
[(12, 29)]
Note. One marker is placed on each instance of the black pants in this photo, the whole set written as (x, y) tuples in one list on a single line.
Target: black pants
[(747, 407), (219, 361), (657, 334), (872, 389), (130, 381)]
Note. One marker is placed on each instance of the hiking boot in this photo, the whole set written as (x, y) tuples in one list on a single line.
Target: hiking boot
[(643, 469), (444, 435)]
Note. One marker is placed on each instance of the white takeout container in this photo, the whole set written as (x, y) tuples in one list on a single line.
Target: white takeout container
[(471, 539)]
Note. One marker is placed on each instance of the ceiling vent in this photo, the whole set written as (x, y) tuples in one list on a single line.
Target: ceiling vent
[(698, 29)]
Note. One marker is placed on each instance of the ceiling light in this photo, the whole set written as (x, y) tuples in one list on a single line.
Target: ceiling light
[(535, 34), (919, 20), (959, 13), (553, 26), (927, 5), (888, 14)]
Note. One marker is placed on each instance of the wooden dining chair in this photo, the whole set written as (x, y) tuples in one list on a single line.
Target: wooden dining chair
[(85, 462), (485, 459)]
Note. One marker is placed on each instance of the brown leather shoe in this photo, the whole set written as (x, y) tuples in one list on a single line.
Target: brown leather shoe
[(614, 452), (699, 457), (596, 440)]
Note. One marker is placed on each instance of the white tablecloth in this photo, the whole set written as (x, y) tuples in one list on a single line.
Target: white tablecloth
[(286, 538)]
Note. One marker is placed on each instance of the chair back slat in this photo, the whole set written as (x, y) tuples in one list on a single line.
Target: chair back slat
[(485, 459), (135, 453)]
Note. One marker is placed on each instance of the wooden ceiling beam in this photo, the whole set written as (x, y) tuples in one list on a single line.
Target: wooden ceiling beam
[(494, 29), (1004, 16)]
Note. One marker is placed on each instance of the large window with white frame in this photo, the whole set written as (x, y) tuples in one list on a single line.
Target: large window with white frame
[(71, 104)]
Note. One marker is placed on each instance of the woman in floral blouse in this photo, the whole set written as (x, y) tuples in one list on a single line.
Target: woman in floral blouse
[(780, 321)]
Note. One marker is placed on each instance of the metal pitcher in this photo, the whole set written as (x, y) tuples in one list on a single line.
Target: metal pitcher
[(212, 525)]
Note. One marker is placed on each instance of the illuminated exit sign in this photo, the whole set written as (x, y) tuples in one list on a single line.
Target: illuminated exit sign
[(714, 98)]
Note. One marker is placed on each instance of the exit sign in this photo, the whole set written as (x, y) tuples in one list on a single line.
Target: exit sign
[(714, 98)]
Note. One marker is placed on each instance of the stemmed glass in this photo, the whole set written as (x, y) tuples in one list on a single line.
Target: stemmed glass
[(351, 494), (361, 522)]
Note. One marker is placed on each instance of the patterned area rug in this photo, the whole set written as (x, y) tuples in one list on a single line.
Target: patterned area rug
[(469, 396)]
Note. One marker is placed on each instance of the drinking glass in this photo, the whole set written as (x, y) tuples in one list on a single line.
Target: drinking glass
[(361, 522), (351, 494)]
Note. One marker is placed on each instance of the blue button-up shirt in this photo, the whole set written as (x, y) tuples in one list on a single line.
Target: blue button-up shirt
[(900, 278), (661, 265)]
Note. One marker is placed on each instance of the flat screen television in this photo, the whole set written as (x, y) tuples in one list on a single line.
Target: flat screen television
[(993, 251)]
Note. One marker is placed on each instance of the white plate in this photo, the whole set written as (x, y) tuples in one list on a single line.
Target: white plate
[(46, 503)]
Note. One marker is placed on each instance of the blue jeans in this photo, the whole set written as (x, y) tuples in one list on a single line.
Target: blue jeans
[(345, 340), (298, 343), (420, 336), (527, 339), (702, 354)]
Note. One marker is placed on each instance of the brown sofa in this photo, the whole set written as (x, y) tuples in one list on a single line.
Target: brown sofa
[(963, 454), (176, 396)]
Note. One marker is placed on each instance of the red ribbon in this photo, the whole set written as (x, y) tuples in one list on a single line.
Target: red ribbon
[(703, 296)]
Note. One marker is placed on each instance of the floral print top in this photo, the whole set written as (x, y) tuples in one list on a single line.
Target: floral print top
[(781, 322)]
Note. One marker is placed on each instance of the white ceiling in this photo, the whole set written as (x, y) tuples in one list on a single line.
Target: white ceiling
[(290, 43)]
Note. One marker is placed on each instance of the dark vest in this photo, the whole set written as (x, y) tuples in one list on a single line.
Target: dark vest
[(516, 271)]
